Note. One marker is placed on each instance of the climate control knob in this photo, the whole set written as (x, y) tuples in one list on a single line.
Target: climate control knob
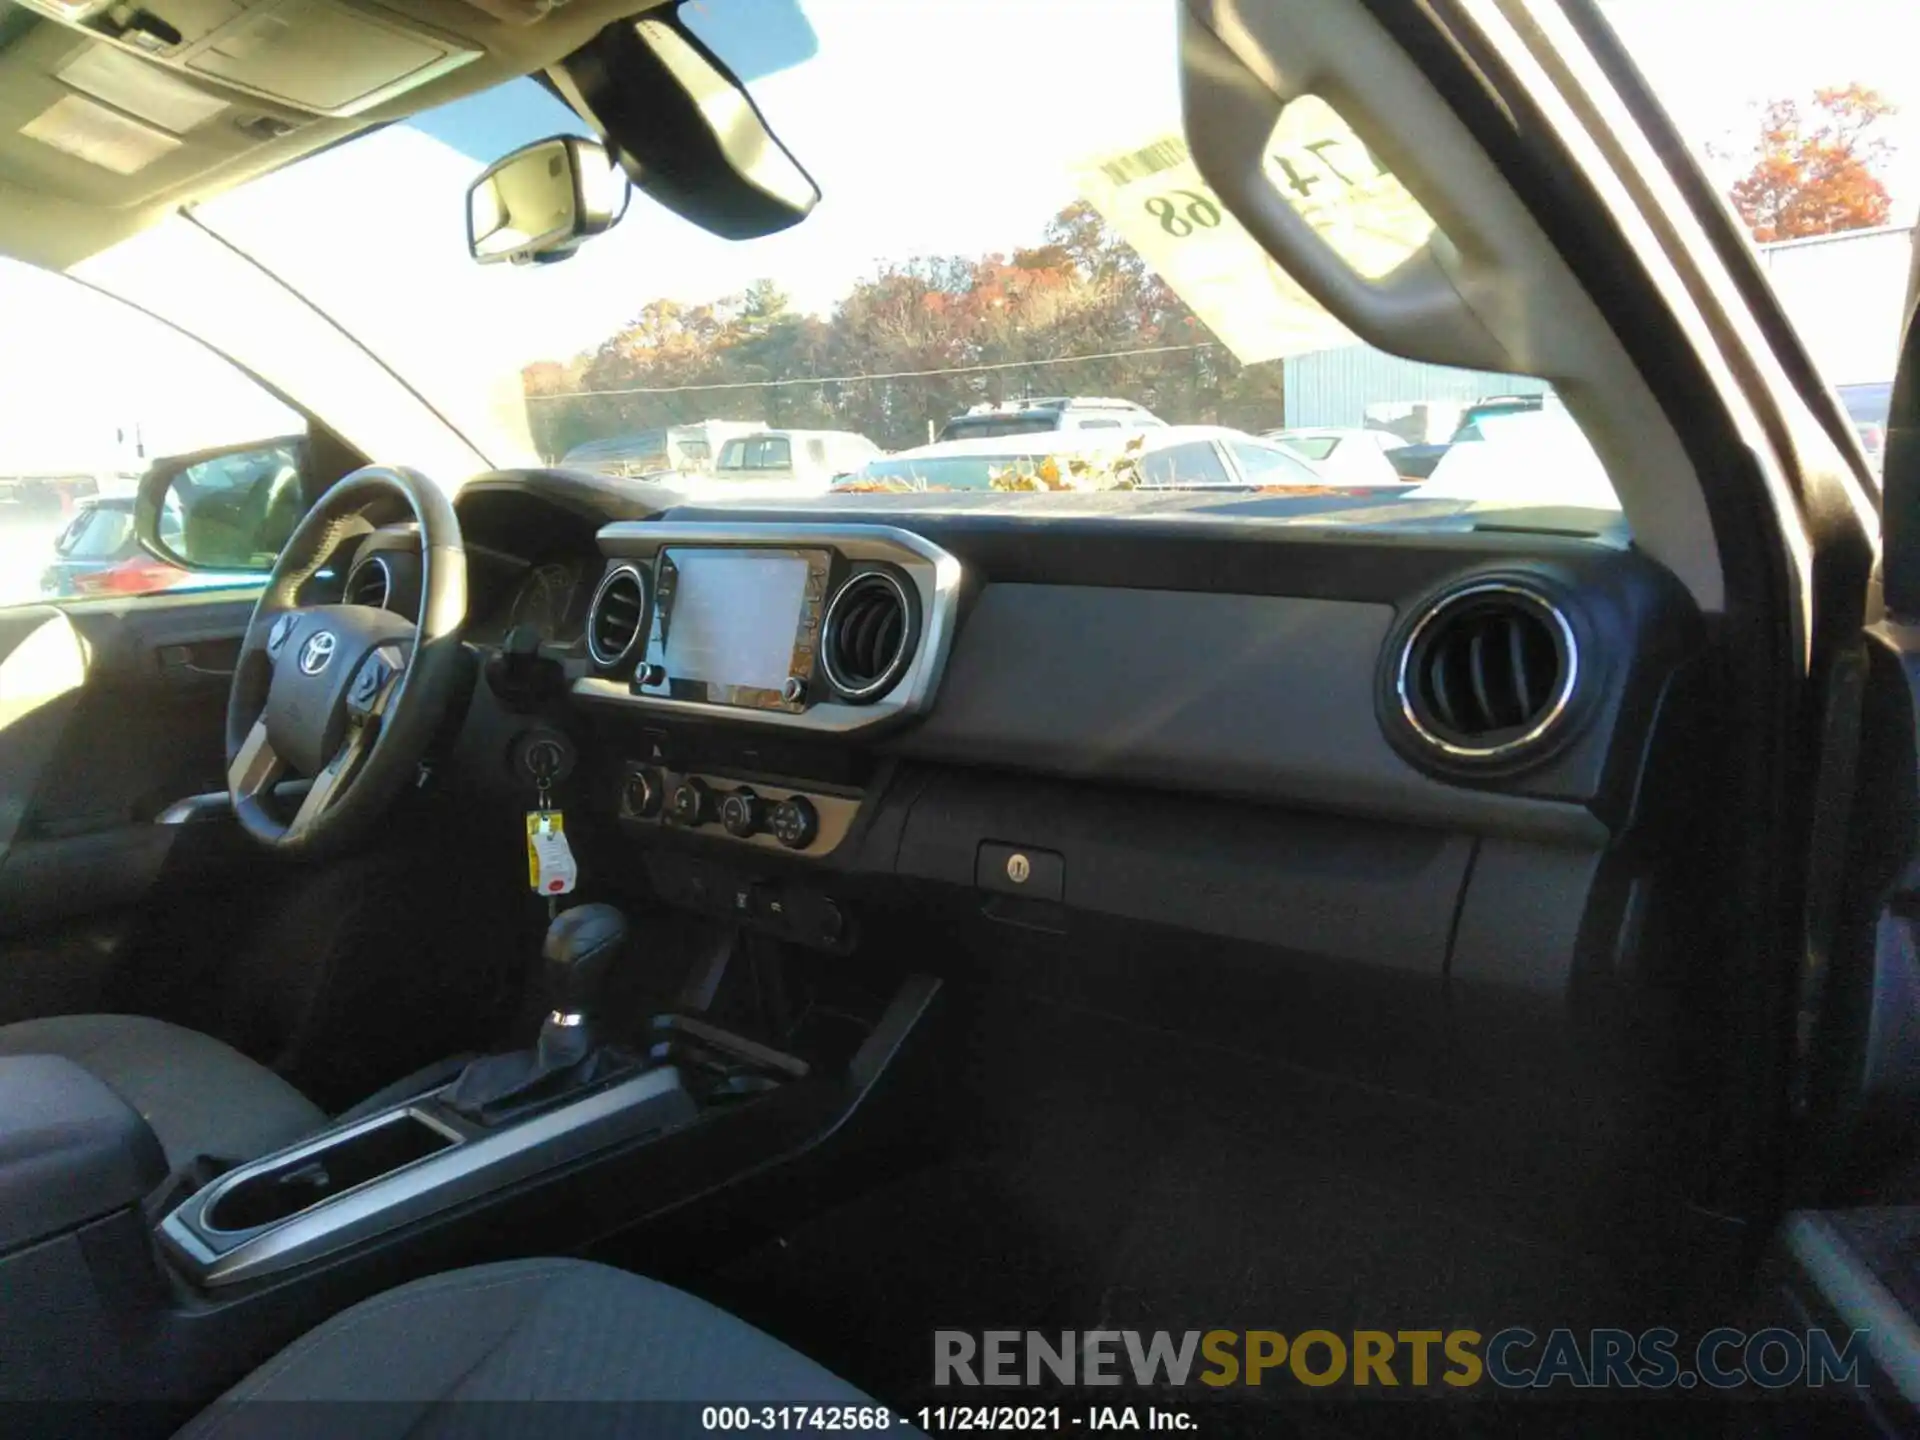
[(743, 813), (794, 823), (640, 795), (692, 803)]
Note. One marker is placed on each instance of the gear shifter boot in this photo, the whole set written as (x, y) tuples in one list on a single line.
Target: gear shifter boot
[(496, 1088), (580, 948)]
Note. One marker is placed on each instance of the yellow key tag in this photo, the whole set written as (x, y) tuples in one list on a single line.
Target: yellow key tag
[(550, 865)]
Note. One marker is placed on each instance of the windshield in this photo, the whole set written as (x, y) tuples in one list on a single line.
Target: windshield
[(965, 253)]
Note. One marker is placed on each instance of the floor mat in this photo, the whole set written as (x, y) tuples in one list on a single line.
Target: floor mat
[(1107, 1185)]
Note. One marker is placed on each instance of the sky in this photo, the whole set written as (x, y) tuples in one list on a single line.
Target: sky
[(1715, 63), (931, 126)]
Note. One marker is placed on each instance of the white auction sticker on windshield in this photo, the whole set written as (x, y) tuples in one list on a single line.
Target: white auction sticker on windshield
[(1154, 196)]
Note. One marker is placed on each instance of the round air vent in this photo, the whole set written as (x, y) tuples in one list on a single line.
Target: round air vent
[(617, 616), (370, 583), (1486, 674), (867, 636)]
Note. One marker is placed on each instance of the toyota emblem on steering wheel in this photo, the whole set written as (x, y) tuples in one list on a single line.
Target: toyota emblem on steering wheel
[(317, 653)]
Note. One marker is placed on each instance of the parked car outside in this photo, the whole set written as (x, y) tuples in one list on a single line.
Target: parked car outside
[(1417, 462), (1049, 413), (1538, 458), (98, 554), (1359, 455), (1868, 407), (45, 495), (675, 449), (1173, 457), (790, 462)]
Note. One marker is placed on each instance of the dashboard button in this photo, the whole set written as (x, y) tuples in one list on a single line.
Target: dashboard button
[(743, 813), (650, 675), (794, 691), (765, 903), (692, 803), (794, 823)]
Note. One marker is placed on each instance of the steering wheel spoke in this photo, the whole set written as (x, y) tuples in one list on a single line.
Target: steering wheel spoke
[(257, 767), (330, 785), (347, 694)]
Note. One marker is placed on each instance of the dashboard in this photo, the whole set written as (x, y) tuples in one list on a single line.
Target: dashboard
[(1427, 750)]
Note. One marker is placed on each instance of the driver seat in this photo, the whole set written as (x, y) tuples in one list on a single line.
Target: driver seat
[(201, 1097)]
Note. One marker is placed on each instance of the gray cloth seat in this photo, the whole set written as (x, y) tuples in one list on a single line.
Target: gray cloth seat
[(201, 1097), (446, 1356)]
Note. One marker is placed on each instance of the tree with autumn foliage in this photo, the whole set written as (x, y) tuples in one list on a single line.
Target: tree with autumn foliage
[(910, 346), (1813, 166)]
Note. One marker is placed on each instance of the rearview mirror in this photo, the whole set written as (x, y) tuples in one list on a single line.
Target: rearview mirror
[(537, 204), (684, 128), (229, 509)]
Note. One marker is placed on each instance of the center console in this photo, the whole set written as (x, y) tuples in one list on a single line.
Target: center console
[(364, 1180), (131, 1283)]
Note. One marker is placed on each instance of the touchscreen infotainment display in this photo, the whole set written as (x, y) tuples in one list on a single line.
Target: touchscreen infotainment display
[(733, 616)]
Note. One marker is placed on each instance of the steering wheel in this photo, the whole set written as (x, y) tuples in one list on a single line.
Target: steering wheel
[(347, 695)]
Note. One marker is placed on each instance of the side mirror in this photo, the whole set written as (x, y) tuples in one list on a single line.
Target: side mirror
[(540, 202), (684, 128), (228, 509)]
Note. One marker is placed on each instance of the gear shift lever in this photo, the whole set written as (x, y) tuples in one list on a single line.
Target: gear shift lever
[(581, 946)]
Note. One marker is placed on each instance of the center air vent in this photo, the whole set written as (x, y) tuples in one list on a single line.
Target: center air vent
[(1487, 673), (867, 636), (616, 617), (370, 583)]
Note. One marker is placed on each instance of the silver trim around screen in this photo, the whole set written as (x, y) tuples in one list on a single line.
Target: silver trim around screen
[(935, 575), (472, 1167)]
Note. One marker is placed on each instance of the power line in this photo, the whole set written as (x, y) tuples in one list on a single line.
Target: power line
[(889, 375)]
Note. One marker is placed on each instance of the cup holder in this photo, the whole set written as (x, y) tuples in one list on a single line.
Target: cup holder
[(310, 1175)]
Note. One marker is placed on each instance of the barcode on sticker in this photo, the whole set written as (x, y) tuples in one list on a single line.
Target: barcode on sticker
[(1161, 155)]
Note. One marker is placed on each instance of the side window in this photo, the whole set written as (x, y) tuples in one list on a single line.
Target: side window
[(733, 455), (775, 453), (1099, 425), (102, 395), (1270, 465), (1180, 466), (816, 452)]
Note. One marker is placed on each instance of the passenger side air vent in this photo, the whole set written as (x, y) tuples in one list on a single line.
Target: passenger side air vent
[(868, 636), (617, 617), (1487, 673), (370, 583)]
